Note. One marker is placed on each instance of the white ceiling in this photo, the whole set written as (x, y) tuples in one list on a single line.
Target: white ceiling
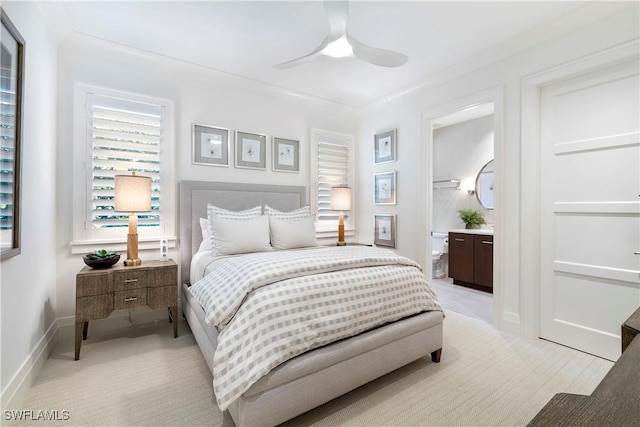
[(247, 38)]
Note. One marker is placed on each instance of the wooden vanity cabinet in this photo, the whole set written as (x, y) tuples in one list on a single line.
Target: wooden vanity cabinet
[(471, 260)]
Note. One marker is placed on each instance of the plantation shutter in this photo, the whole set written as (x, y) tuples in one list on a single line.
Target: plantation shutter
[(7, 150), (125, 137), (333, 171)]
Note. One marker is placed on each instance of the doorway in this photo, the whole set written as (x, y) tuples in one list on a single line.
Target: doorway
[(450, 175), (463, 155)]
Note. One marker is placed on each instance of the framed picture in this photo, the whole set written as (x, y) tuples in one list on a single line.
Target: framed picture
[(384, 227), (385, 147), (286, 155), (385, 188), (12, 89), (251, 150), (210, 145)]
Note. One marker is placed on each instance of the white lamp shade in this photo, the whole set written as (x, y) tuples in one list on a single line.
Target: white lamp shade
[(341, 198), (133, 193)]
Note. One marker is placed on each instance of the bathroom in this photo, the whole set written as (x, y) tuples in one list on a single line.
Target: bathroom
[(463, 145)]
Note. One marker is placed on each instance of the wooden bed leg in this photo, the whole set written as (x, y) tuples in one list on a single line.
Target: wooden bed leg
[(435, 355)]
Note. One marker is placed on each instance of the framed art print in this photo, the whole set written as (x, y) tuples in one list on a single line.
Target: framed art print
[(385, 188), (385, 147), (385, 230), (210, 145), (251, 150), (286, 155)]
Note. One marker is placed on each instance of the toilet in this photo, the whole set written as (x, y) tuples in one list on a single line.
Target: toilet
[(439, 247)]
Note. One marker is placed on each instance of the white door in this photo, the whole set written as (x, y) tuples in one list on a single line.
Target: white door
[(590, 208)]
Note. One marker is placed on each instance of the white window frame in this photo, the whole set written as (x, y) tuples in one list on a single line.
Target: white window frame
[(329, 228), (86, 238)]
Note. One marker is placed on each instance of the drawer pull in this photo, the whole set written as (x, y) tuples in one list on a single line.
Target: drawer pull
[(487, 242), (130, 280), (458, 240), (131, 299)]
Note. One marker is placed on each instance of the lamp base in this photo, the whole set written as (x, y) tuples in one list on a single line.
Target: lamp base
[(130, 262)]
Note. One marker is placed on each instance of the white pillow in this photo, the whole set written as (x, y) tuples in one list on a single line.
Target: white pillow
[(214, 211), (293, 233), (225, 213), (240, 235), (205, 226), (296, 214)]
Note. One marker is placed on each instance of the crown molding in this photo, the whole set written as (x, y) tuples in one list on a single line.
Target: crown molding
[(582, 17), (153, 62)]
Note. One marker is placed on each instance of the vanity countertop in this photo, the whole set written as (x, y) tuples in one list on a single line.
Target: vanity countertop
[(488, 231)]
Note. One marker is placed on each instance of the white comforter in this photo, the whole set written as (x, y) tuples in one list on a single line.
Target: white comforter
[(271, 307)]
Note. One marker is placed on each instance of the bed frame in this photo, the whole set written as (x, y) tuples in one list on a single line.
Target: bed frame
[(318, 376)]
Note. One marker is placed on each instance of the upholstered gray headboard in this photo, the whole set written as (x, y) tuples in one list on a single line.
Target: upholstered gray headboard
[(194, 196)]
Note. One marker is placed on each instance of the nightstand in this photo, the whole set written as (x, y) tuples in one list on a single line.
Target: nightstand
[(100, 292)]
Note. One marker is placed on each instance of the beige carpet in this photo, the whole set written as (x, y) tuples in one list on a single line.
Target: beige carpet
[(142, 376)]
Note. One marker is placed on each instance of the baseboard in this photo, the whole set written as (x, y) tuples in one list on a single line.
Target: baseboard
[(20, 384), (62, 329)]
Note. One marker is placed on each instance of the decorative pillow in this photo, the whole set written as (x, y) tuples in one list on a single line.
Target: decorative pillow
[(240, 235), (293, 233), (296, 214), (225, 213), (205, 226), (214, 211)]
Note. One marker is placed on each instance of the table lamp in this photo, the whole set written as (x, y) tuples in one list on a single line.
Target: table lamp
[(341, 201), (133, 195)]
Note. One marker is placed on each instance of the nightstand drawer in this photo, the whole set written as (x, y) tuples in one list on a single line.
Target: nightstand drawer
[(126, 280), (95, 283), (167, 296), (163, 276), (93, 307), (130, 298)]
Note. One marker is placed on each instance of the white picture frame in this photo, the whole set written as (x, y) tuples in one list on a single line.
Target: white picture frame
[(251, 150), (385, 147), (384, 188), (384, 229), (210, 145), (285, 155)]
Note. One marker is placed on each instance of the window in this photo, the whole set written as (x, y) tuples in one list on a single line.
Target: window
[(332, 165), (119, 133)]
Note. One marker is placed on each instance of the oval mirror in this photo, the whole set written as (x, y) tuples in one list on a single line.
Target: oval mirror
[(484, 186)]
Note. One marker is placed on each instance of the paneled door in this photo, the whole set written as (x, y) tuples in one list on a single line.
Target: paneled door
[(590, 208)]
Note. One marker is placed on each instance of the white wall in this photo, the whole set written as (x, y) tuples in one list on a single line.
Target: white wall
[(404, 112), (459, 152), (28, 296), (201, 96)]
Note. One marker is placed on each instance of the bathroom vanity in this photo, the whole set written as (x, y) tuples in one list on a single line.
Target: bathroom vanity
[(471, 258)]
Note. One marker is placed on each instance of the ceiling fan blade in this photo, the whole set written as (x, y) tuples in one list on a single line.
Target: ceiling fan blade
[(337, 16), (304, 58), (376, 56)]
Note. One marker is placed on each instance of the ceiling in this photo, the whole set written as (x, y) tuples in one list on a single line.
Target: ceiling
[(247, 38)]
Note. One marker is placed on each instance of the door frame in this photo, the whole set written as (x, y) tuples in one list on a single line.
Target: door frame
[(493, 95), (530, 206)]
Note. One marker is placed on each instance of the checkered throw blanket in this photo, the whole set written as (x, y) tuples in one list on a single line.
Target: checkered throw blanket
[(271, 307)]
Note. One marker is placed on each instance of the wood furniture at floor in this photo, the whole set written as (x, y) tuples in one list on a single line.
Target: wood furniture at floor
[(471, 260), (101, 291), (616, 400)]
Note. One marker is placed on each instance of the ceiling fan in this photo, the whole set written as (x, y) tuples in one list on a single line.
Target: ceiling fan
[(339, 43)]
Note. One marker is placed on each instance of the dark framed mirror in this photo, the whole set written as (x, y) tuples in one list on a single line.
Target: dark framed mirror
[(484, 186), (11, 92)]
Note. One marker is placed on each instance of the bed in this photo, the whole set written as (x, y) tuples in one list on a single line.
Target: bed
[(313, 377)]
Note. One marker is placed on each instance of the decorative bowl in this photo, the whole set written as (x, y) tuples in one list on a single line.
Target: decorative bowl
[(96, 261)]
